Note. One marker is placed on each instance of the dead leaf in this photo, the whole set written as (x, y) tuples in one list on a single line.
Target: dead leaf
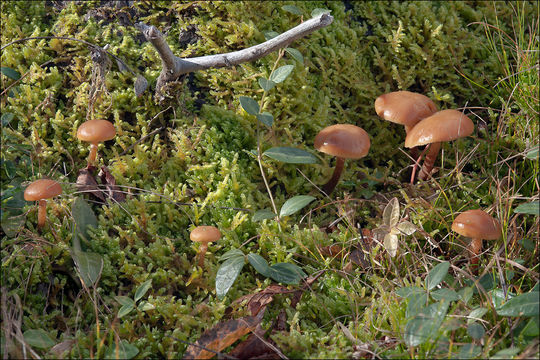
[(62, 347), (140, 85), (111, 190), (255, 347), (87, 184), (334, 250), (257, 301), (221, 336)]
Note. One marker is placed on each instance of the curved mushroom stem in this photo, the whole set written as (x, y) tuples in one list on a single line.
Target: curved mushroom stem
[(475, 247), (413, 151), (331, 184), (202, 252), (42, 213), (93, 153), (429, 161)]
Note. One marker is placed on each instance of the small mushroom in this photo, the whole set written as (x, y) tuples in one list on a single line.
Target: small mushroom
[(445, 125), (41, 190), (344, 141), (477, 225), (94, 132), (204, 234)]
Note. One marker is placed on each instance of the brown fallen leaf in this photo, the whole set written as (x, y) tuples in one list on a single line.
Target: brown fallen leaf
[(111, 190), (257, 301), (221, 336), (255, 347), (87, 184)]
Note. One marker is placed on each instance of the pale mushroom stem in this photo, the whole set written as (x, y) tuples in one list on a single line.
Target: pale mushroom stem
[(93, 153), (475, 247), (331, 184), (429, 161), (42, 213), (202, 252), (414, 150)]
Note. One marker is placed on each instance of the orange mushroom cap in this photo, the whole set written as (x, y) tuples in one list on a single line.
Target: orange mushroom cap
[(442, 126), (477, 224), (344, 141), (205, 234), (404, 107), (42, 189), (95, 131)]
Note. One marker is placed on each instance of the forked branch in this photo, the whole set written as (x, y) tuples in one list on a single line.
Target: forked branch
[(174, 66)]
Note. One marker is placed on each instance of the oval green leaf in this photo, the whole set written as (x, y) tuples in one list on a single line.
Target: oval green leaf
[(249, 105), (476, 314), (292, 9), (290, 155), (531, 208), (295, 204), (263, 214), (124, 300), (287, 273), (83, 217), (260, 264), (227, 274), (270, 35), (266, 84), (89, 266), (318, 12), (445, 294), (532, 154), (124, 351), (125, 309), (38, 338), (527, 304), (297, 55), (266, 118), (281, 73), (469, 351), (437, 274), (10, 73), (476, 331), (142, 289), (231, 254), (6, 118)]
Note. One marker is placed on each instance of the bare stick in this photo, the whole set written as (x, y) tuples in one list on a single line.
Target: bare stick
[(174, 66)]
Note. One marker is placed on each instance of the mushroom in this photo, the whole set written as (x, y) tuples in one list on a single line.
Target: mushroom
[(94, 132), (477, 225), (41, 190), (204, 234), (445, 125), (344, 141)]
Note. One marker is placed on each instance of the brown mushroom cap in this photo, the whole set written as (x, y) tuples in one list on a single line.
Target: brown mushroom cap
[(42, 189), (343, 140), (477, 224), (95, 131), (205, 234), (404, 107), (442, 126)]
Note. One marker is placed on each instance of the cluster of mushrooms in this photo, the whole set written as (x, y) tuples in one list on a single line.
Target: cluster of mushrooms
[(424, 125)]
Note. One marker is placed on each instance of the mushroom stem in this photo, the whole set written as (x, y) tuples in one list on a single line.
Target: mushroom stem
[(202, 252), (413, 151), (429, 161), (42, 213), (417, 163), (331, 184), (475, 247), (93, 153)]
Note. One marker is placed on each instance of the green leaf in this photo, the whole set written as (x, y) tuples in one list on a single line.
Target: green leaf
[(290, 155), (532, 328), (6, 118), (145, 306), (124, 350), (12, 225), (270, 35), (531, 208), (89, 266), (227, 274), (10, 73), (527, 244), (391, 213), (476, 331), (263, 214), (125, 309), (522, 305), (498, 297), (469, 351), (260, 264), (426, 324), (508, 353), (532, 154), (437, 274), (295, 204), (249, 105), (318, 12), (442, 294), (281, 73), (297, 55), (416, 303), (124, 300), (292, 9), (38, 338), (406, 292), (266, 118), (266, 84), (231, 254), (142, 289), (84, 218), (476, 314), (287, 273)]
